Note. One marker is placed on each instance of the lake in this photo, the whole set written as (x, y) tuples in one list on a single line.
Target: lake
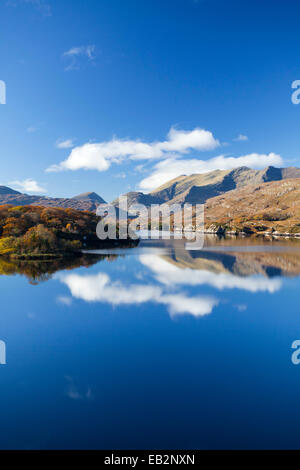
[(153, 347)]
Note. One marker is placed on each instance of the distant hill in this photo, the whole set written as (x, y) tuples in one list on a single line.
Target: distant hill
[(5, 190), (94, 197), (193, 189), (198, 188), (86, 201)]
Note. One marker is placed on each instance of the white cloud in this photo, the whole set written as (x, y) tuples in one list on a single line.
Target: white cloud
[(64, 144), (99, 156), (172, 168), (76, 53), (28, 185), (198, 306), (241, 138), (100, 288), (184, 141), (171, 275)]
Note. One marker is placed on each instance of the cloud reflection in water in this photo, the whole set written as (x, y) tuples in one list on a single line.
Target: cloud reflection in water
[(100, 288)]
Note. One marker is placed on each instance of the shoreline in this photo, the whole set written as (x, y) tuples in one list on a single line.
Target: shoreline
[(220, 231), (70, 254), (254, 234)]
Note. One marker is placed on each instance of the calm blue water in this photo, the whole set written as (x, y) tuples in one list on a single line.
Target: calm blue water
[(156, 348)]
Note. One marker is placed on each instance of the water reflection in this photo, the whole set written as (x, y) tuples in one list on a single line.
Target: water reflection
[(224, 264), (101, 288), (95, 361), (40, 270), (171, 270)]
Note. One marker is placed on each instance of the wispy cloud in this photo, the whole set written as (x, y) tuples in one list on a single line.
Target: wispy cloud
[(121, 175), (65, 300), (241, 138), (76, 54), (72, 391), (99, 156), (168, 169), (29, 185), (41, 5), (64, 144), (31, 129), (241, 307)]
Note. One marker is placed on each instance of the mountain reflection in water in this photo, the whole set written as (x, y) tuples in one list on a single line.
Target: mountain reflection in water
[(225, 256), (171, 269), (153, 347)]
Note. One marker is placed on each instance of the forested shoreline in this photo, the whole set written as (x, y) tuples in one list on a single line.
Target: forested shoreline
[(29, 232)]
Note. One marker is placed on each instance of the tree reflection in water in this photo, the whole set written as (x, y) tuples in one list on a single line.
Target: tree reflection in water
[(38, 271)]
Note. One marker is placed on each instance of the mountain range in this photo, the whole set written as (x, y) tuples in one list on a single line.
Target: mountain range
[(193, 189), (86, 201), (198, 188)]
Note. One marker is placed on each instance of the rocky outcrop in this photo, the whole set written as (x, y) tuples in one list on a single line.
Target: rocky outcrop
[(215, 229)]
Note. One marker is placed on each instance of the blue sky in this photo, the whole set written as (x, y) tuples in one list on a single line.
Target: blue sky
[(136, 92)]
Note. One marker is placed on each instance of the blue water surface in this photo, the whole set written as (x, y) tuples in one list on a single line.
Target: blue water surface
[(154, 347)]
